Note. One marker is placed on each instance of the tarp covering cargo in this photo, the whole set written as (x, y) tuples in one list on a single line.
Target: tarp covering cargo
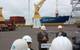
[(60, 19), (17, 19)]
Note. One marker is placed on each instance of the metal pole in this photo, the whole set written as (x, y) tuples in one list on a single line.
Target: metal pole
[(28, 8), (56, 5), (57, 8)]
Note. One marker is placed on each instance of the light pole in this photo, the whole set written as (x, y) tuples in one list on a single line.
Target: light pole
[(28, 14), (28, 8)]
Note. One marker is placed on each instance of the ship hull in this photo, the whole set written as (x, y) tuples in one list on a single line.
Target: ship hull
[(60, 19)]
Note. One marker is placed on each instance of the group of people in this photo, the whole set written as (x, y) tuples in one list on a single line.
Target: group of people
[(60, 42), (22, 44)]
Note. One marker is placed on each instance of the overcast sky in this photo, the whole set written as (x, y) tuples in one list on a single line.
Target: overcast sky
[(0, 3), (20, 8)]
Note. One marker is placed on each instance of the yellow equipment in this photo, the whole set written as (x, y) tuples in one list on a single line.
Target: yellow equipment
[(1, 17), (37, 8)]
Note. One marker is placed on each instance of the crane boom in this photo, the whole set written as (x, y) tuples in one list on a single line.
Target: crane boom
[(37, 8), (1, 17)]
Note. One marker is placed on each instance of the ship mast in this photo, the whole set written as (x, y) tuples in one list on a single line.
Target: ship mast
[(57, 8)]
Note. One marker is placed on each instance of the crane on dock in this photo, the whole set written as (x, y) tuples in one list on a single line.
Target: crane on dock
[(37, 17)]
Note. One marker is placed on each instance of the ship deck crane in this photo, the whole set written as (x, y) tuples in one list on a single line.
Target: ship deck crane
[(37, 17)]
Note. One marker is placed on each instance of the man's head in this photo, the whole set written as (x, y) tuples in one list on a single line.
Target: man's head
[(60, 27), (19, 44), (28, 39), (61, 43), (43, 27)]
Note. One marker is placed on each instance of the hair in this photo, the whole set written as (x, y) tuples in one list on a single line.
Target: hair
[(28, 43), (64, 34)]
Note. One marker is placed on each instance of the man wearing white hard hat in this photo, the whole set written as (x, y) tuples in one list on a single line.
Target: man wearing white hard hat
[(28, 40), (60, 31), (42, 37), (61, 43), (43, 27), (19, 44)]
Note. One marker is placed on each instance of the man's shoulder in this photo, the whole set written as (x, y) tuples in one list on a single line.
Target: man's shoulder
[(59, 32), (39, 33), (64, 32)]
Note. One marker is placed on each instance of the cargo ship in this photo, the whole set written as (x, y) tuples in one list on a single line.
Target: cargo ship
[(60, 19), (56, 19)]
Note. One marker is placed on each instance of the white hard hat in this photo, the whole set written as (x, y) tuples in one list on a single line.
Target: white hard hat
[(27, 38), (60, 27), (43, 28), (62, 43), (19, 44)]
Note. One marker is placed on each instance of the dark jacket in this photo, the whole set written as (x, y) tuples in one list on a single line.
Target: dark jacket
[(62, 34), (41, 35)]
